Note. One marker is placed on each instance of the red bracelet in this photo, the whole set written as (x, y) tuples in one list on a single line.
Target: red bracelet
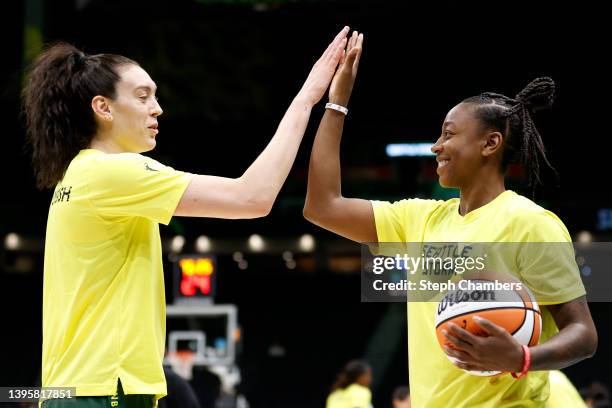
[(526, 363)]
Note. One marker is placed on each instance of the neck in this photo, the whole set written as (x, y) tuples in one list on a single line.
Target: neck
[(106, 144), (482, 191)]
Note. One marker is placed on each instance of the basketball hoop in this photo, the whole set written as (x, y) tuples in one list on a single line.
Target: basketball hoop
[(182, 362), (182, 359)]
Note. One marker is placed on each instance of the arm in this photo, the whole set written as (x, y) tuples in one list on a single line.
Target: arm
[(325, 206), (253, 194), (576, 340)]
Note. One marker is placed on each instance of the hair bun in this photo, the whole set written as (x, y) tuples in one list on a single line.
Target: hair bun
[(538, 94)]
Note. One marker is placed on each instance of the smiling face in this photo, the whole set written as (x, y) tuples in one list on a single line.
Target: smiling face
[(461, 149), (134, 111)]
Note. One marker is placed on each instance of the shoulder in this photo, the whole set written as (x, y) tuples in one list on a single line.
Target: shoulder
[(405, 220), (359, 391), (410, 205), (128, 174), (531, 219), (521, 208), (123, 165), (120, 159), (332, 399)]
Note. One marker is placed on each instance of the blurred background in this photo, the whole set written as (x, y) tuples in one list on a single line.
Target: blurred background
[(226, 71)]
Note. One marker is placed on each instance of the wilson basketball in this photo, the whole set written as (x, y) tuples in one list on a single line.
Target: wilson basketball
[(506, 304)]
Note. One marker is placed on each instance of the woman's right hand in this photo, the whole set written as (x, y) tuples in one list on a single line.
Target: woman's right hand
[(342, 83), (323, 70)]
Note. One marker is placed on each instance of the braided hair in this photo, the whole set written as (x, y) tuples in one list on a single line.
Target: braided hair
[(512, 118)]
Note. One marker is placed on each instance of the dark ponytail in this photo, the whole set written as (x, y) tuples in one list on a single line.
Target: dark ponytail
[(512, 118), (57, 95), (350, 373)]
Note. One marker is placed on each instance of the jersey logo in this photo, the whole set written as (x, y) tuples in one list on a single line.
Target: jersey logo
[(61, 194), (149, 168)]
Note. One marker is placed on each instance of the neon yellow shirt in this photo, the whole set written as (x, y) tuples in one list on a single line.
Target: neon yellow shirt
[(353, 396), (563, 394), (434, 380), (104, 308)]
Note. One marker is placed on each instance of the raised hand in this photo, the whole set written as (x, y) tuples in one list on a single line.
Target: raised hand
[(323, 70), (342, 83)]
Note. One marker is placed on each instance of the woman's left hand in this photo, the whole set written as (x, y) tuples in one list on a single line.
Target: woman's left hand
[(342, 84), (498, 351)]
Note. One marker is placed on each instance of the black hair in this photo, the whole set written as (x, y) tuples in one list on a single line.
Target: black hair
[(512, 118), (56, 101), (350, 374), (401, 393)]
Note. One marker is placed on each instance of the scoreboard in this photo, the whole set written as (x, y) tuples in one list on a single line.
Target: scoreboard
[(194, 278)]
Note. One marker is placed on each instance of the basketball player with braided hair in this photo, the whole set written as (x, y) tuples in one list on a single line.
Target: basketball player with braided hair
[(89, 118), (480, 136)]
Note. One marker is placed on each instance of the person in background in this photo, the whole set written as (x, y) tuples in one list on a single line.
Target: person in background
[(180, 392), (596, 395), (351, 389), (401, 397)]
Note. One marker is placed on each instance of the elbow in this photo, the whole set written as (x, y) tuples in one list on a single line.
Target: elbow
[(263, 210), (260, 207), (320, 211), (318, 216), (307, 212), (588, 343), (592, 344), (255, 201), (592, 352), (311, 213)]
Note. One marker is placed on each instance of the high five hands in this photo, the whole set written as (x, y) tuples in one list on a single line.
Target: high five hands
[(338, 64), (342, 83), (323, 70)]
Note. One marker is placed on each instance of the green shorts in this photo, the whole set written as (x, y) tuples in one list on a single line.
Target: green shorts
[(119, 400)]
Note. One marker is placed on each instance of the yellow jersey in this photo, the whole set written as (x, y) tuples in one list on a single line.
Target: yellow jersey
[(563, 394), (103, 295), (353, 396), (510, 218)]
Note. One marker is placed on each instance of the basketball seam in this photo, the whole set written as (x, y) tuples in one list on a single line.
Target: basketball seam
[(533, 329), (486, 310), (523, 322)]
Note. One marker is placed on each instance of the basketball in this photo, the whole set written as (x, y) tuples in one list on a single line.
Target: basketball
[(515, 310)]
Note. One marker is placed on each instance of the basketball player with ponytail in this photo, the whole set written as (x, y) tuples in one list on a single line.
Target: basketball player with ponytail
[(89, 118), (480, 137)]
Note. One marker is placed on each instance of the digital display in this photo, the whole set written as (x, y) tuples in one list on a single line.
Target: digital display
[(194, 277)]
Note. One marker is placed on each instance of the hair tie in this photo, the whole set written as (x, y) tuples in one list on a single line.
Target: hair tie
[(79, 59), (519, 106)]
